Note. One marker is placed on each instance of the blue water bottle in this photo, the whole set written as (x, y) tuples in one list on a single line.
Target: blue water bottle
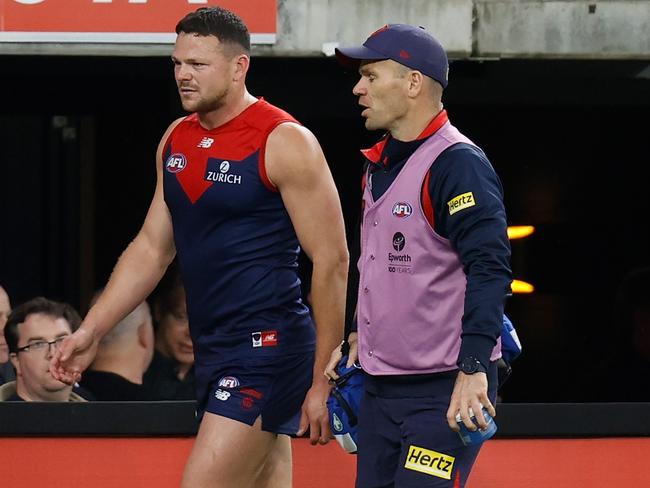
[(472, 438)]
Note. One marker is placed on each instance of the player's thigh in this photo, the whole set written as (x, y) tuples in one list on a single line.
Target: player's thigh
[(227, 454), (277, 471)]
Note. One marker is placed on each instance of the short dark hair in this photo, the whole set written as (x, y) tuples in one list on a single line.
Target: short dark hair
[(18, 315), (223, 24)]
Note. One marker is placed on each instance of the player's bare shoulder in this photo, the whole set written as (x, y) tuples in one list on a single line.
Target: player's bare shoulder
[(292, 151), (165, 137)]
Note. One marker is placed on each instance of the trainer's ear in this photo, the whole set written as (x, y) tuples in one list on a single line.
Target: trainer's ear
[(416, 83)]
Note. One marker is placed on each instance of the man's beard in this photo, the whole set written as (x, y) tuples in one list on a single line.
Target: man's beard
[(207, 105)]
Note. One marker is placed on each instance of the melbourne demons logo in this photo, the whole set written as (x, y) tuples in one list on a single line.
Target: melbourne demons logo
[(402, 210), (176, 163)]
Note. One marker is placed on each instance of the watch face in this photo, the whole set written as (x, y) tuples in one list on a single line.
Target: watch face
[(469, 366)]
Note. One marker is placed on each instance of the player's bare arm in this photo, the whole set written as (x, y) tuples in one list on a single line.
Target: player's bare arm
[(296, 165), (135, 275)]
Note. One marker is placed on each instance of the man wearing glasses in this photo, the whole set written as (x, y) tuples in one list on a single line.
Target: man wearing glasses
[(33, 331)]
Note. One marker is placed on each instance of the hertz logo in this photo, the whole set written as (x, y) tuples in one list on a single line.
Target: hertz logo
[(429, 462), (460, 202)]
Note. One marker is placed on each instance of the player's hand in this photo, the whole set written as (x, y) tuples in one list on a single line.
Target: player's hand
[(470, 391), (74, 355), (330, 369), (315, 416)]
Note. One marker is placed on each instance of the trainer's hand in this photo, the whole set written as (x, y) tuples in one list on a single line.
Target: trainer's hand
[(330, 369), (315, 415), (470, 391), (73, 356)]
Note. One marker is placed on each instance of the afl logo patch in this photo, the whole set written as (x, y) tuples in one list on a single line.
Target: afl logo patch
[(402, 210), (229, 382), (224, 166), (175, 163)]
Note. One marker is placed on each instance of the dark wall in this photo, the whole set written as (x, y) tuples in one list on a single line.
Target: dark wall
[(568, 139)]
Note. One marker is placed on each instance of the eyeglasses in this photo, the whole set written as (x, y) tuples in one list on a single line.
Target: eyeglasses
[(41, 345)]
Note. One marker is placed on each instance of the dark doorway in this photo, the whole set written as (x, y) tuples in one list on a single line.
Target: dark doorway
[(568, 139)]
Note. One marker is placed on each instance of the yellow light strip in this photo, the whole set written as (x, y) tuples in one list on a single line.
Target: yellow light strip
[(519, 286), (520, 231)]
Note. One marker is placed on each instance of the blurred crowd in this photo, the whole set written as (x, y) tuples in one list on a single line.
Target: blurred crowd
[(147, 356)]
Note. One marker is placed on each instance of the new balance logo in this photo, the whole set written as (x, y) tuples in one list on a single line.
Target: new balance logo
[(221, 395), (265, 338), (206, 142)]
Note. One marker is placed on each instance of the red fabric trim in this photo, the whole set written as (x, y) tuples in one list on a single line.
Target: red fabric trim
[(457, 480), (373, 154), (427, 207), (437, 122), (261, 167), (168, 141)]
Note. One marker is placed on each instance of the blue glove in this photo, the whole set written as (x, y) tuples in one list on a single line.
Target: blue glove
[(510, 344)]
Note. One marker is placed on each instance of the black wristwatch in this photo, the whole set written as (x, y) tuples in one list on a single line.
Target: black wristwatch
[(470, 365)]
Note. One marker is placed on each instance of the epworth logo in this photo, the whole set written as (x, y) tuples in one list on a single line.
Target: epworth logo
[(121, 21)]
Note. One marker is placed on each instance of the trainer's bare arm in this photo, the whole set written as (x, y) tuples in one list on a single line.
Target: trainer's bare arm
[(134, 277), (295, 164)]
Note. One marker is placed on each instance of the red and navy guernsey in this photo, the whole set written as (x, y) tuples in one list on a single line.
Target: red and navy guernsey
[(235, 242)]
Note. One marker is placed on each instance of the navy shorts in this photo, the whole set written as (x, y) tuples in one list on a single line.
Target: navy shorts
[(271, 388), (404, 438)]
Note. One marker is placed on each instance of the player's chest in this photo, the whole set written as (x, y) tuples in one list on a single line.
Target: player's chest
[(209, 172)]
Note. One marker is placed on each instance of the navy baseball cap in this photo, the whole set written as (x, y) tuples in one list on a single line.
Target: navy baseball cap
[(406, 44)]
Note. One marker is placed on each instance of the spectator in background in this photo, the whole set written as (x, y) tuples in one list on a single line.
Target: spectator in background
[(6, 369), (171, 374), (33, 331), (123, 355)]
